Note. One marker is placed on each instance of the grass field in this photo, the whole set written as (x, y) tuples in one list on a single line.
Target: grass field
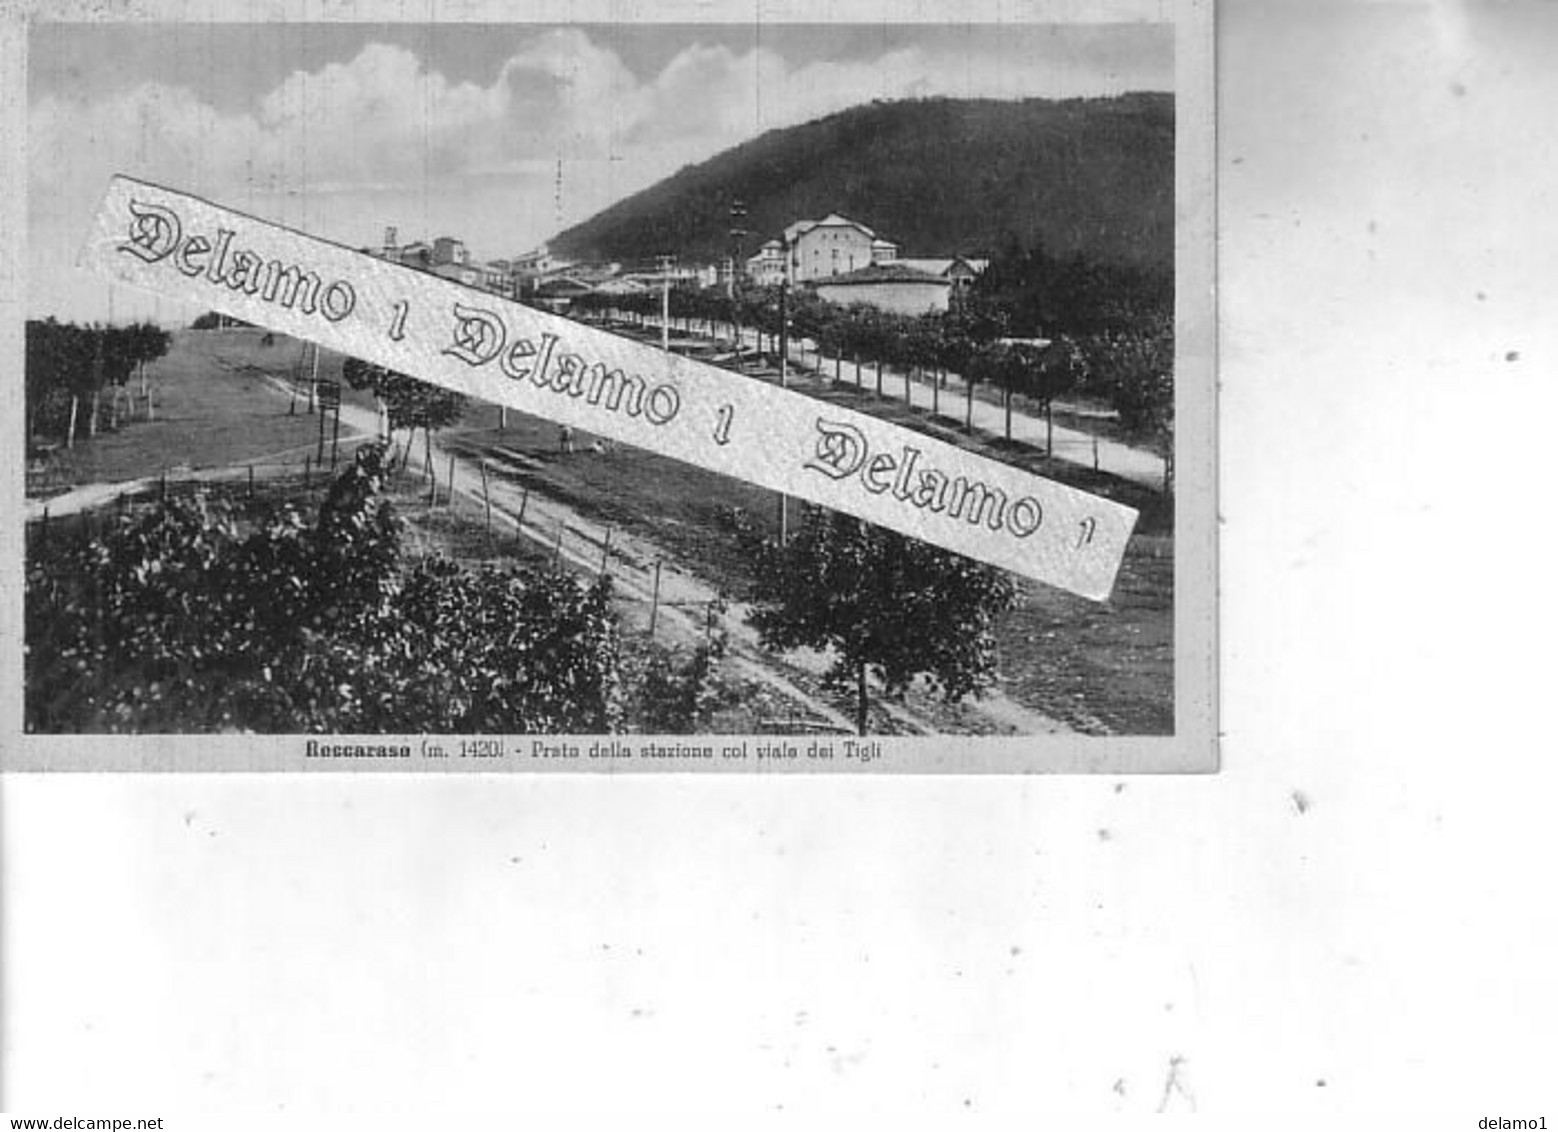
[(1099, 667), (205, 416)]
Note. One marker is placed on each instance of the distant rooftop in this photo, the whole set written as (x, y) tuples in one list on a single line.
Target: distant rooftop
[(894, 272), (940, 265), (831, 220)]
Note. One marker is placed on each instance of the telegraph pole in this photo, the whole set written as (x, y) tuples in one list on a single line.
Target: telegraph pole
[(784, 371), (738, 215), (666, 261)]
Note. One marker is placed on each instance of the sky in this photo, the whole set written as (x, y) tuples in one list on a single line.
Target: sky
[(501, 135)]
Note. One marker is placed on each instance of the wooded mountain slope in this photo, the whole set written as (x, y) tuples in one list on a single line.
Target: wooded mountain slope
[(938, 176)]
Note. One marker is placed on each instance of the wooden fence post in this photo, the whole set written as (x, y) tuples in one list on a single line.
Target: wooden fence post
[(319, 450), (654, 604), (486, 498), (449, 487), (605, 552), (313, 381)]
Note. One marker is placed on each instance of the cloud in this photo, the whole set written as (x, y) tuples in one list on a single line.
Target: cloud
[(380, 138)]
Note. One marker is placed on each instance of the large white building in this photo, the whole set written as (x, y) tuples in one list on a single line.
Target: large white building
[(847, 263), (837, 248), (834, 245)]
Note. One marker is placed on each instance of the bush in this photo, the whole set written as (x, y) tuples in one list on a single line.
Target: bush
[(190, 618), (885, 605), (678, 691)]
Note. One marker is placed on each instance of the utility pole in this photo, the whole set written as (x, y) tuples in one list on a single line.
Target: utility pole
[(666, 260), (784, 371), (738, 216)]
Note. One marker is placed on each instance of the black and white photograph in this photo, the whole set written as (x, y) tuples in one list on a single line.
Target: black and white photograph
[(772, 564), (856, 258)]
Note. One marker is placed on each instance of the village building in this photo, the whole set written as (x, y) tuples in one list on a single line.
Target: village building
[(680, 275), (448, 257), (766, 268), (961, 270), (622, 285), (415, 254), (539, 261), (447, 250), (558, 292), (834, 245), (487, 276)]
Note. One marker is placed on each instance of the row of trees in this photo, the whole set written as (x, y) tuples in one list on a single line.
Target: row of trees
[(69, 367), (1122, 352), (1037, 293)]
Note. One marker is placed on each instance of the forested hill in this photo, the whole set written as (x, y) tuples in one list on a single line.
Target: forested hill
[(937, 176)]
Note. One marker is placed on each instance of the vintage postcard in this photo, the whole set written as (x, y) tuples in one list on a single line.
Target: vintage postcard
[(795, 388)]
